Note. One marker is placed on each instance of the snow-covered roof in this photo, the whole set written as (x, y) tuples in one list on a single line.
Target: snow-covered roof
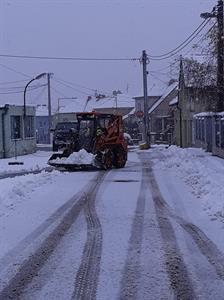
[(205, 114), (221, 114), (159, 94), (209, 114), (173, 101), (17, 105), (108, 102), (166, 93)]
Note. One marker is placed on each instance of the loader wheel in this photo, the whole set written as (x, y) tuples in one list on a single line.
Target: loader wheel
[(107, 160), (120, 158)]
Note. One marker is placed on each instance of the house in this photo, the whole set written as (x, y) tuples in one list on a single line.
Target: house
[(131, 125), (135, 121), (161, 116), (42, 124), (17, 133), (196, 94)]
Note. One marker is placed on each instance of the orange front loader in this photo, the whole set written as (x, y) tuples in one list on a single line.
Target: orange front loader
[(100, 134)]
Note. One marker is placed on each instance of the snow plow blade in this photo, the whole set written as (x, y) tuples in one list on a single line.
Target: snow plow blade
[(70, 167)]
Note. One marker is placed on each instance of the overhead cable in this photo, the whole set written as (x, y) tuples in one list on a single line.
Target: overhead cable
[(67, 58), (22, 91), (75, 84), (15, 71), (178, 49), (12, 82), (71, 87)]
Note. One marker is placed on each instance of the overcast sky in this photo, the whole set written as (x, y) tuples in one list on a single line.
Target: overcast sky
[(92, 28)]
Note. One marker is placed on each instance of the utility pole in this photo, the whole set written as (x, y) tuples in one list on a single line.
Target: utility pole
[(49, 106), (145, 90), (220, 57)]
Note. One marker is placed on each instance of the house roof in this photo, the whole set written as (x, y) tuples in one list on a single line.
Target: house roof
[(13, 105), (149, 96), (166, 93), (108, 102), (129, 114)]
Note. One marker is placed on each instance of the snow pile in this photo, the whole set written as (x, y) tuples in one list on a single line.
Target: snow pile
[(77, 158), (202, 172)]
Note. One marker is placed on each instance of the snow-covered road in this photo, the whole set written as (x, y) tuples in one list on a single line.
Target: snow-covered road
[(141, 232)]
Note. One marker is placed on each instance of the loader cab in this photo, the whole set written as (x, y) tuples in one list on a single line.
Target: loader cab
[(90, 127), (86, 133)]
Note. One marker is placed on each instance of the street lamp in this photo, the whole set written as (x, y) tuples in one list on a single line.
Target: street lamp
[(24, 94), (208, 15)]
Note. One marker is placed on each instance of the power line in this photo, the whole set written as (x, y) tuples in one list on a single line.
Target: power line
[(12, 82), (18, 87), (167, 67), (157, 78), (67, 58), (57, 91), (40, 94), (75, 84), (201, 39), (61, 94), (177, 60), (165, 54), (69, 86), (18, 92), (184, 46), (15, 71)]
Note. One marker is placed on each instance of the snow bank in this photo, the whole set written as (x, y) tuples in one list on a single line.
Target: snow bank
[(18, 189), (31, 162), (202, 173), (78, 158)]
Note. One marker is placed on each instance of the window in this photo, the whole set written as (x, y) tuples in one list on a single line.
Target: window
[(16, 132), (29, 126)]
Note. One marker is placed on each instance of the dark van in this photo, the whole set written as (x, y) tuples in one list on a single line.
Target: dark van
[(62, 134)]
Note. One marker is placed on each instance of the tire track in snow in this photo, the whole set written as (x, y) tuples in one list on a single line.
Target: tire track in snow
[(88, 274), (209, 249), (131, 272), (30, 238), (180, 280), (32, 265), (205, 245)]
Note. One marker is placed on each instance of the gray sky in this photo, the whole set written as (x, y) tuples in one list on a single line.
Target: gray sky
[(92, 28)]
